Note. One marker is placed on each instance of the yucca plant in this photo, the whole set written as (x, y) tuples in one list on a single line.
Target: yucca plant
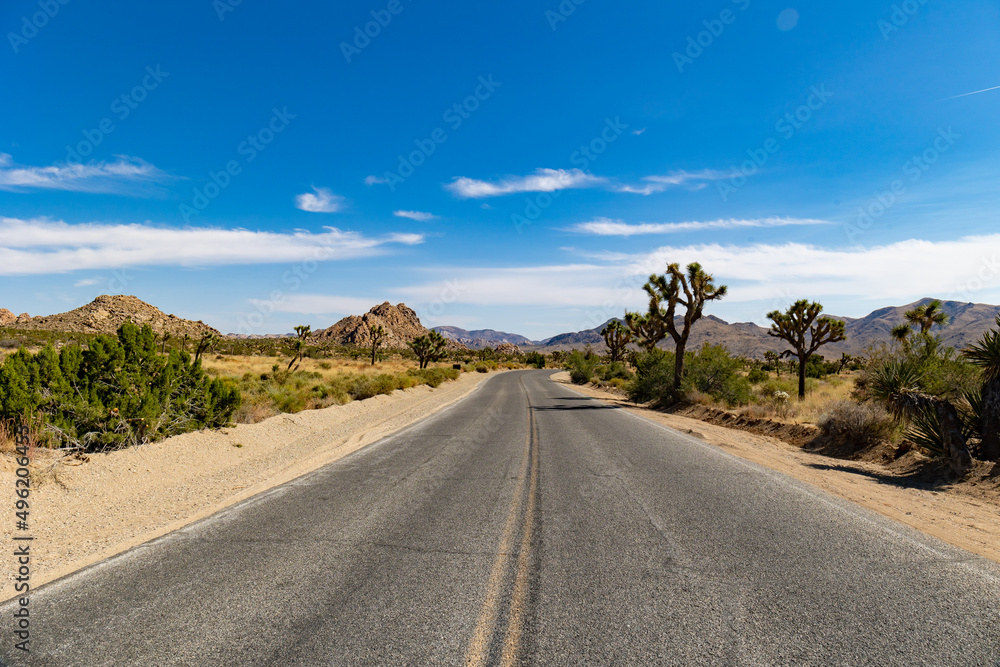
[(986, 355)]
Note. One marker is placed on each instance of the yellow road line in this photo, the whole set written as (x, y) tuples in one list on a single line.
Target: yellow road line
[(515, 619), (479, 647)]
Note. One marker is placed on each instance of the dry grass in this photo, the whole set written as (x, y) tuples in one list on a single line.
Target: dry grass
[(820, 395), (237, 366)]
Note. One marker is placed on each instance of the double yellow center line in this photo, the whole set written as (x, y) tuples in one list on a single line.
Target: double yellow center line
[(489, 617)]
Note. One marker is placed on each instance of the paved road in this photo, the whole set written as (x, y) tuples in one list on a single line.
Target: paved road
[(529, 525)]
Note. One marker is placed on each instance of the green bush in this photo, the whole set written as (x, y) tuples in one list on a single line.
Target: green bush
[(482, 368), (654, 378), (616, 370), (535, 359), (713, 371), (757, 375), (119, 391), (581, 367), (434, 377)]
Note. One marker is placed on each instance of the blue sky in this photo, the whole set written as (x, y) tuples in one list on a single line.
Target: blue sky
[(520, 166)]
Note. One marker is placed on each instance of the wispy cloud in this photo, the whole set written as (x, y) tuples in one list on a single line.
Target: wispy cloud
[(975, 92), (320, 304), (543, 180), (42, 246), (87, 282), (419, 216), (691, 179), (320, 200), (609, 227), (126, 175), (373, 180)]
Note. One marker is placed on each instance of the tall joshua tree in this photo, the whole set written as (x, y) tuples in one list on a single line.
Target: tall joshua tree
[(926, 316), (793, 325), (985, 353), (377, 333), (302, 332), (616, 337), (691, 289)]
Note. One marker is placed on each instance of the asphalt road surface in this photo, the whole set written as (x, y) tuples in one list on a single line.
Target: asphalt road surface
[(528, 524)]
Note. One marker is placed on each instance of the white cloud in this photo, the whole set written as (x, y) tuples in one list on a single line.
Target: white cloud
[(121, 176), (964, 269), (42, 246), (323, 201), (695, 180), (320, 304), (543, 180), (609, 227), (87, 282), (419, 216), (372, 180)]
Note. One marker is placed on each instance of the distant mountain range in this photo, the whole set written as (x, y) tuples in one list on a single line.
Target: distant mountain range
[(966, 323)]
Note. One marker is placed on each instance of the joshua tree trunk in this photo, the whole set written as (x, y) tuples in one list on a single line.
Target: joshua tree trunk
[(954, 440), (679, 363), (802, 374), (990, 426)]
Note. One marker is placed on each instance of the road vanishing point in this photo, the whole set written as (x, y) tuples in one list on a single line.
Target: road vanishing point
[(528, 525)]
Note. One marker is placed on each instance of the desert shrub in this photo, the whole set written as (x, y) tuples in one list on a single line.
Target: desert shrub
[(535, 359), (434, 377), (581, 367), (654, 378), (482, 368), (119, 391), (757, 375), (614, 370), (713, 371), (858, 425), (325, 365), (618, 383)]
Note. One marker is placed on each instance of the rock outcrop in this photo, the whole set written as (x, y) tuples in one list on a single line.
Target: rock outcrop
[(106, 313)]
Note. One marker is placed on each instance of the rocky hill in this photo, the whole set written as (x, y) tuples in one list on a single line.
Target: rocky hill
[(481, 338), (106, 313), (400, 323)]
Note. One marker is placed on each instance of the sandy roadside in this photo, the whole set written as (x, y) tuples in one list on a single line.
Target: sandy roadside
[(966, 521), (81, 514)]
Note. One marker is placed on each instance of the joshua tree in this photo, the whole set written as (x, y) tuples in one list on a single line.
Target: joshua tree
[(690, 289), (207, 341), (299, 344), (800, 319), (901, 333), (428, 348), (378, 333), (986, 354), (647, 330), (163, 343), (616, 337), (926, 316), (773, 359)]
